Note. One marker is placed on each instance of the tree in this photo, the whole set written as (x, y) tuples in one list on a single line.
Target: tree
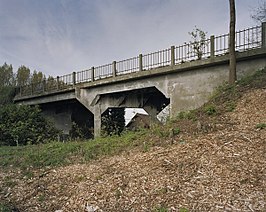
[(23, 76), (6, 75), (259, 14), (232, 53), (37, 77), (199, 42), (113, 121), (7, 85)]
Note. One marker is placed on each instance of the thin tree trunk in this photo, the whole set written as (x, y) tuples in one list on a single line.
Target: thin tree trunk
[(232, 53)]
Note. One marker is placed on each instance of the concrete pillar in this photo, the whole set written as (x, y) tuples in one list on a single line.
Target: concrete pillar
[(92, 73), (57, 82), (97, 121), (74, 78), (152, 111), (140, 62), (212, 46), (263, 34), (172, 55), (114, 68)]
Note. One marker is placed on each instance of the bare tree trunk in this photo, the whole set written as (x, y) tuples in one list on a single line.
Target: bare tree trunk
[(232, 53)]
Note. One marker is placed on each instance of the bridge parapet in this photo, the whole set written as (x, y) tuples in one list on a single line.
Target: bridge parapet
[(247, 39)]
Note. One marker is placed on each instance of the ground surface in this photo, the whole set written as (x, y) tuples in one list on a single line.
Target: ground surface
[(219, 170)]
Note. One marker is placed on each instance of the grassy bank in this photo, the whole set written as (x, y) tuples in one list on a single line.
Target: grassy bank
[(58, 154)]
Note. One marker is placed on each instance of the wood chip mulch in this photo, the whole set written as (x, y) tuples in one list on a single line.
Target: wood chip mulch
[(218, 171)]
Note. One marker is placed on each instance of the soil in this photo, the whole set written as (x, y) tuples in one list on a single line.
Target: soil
[(213, 170)]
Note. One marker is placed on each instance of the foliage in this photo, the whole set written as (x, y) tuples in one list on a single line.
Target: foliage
[(6, 75), (210, 109), (198, 42), (7, 93), (21, 125), (5, 208), (161, 209), (261, 126), (113, 121), (191, 115), (37, 77), (7, 89), (58, 153), (23, 76), (80, 132), (183, 210)]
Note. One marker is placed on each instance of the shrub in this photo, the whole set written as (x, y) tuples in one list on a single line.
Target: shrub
[(21, 125)]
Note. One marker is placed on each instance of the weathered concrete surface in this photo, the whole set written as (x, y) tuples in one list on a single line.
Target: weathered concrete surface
[(187, 85)]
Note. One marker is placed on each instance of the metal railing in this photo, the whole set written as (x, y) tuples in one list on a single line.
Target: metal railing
[(246, 39), (127, 66), (156, 59), (84, 76)]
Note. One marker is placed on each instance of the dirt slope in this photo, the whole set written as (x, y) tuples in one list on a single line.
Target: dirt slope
[(219, 171)]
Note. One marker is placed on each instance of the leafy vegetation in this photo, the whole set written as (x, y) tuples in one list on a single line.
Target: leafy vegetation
[(58, 153), (199, 42), (113, 121), (261, 126), (21, 125)]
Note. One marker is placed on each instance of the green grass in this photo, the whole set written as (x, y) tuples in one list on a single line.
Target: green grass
[(4, 207), (261, 126), (58, 153)]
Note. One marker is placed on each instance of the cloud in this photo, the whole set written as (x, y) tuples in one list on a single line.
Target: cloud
[(58, 37)]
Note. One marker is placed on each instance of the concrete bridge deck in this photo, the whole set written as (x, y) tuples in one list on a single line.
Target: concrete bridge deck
[(153, 81)]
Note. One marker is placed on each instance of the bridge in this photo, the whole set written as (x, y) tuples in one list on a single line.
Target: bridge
[(179, 78)]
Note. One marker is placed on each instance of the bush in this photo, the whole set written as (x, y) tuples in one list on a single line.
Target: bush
[(22, 124)]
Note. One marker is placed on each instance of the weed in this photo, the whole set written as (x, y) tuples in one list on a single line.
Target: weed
[(146, 146), (261, 126), (210, 109), (41, 198), (230, 106), (7, 207), (161, 209), (9, 183), (183, 210), (191, 115), (162, 190), (176, 131)]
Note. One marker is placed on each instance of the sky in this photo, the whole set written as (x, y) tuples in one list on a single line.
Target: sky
[(58, 37)]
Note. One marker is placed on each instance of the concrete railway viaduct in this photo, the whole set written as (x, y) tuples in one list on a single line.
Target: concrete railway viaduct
[(177, 78)]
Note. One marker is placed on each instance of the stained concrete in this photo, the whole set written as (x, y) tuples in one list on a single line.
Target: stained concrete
[(184, 86)]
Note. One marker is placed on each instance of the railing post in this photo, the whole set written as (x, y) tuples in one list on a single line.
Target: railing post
[(57, 82), (92, 73), (114, 68), (74, 78), (172, 55), (263, 34), (140, 62), (212, 46)]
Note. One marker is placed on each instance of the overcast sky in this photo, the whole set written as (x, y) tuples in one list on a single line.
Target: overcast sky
[(61, 36)]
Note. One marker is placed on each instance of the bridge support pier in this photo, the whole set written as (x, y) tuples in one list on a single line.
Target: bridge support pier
[(97, 121)]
